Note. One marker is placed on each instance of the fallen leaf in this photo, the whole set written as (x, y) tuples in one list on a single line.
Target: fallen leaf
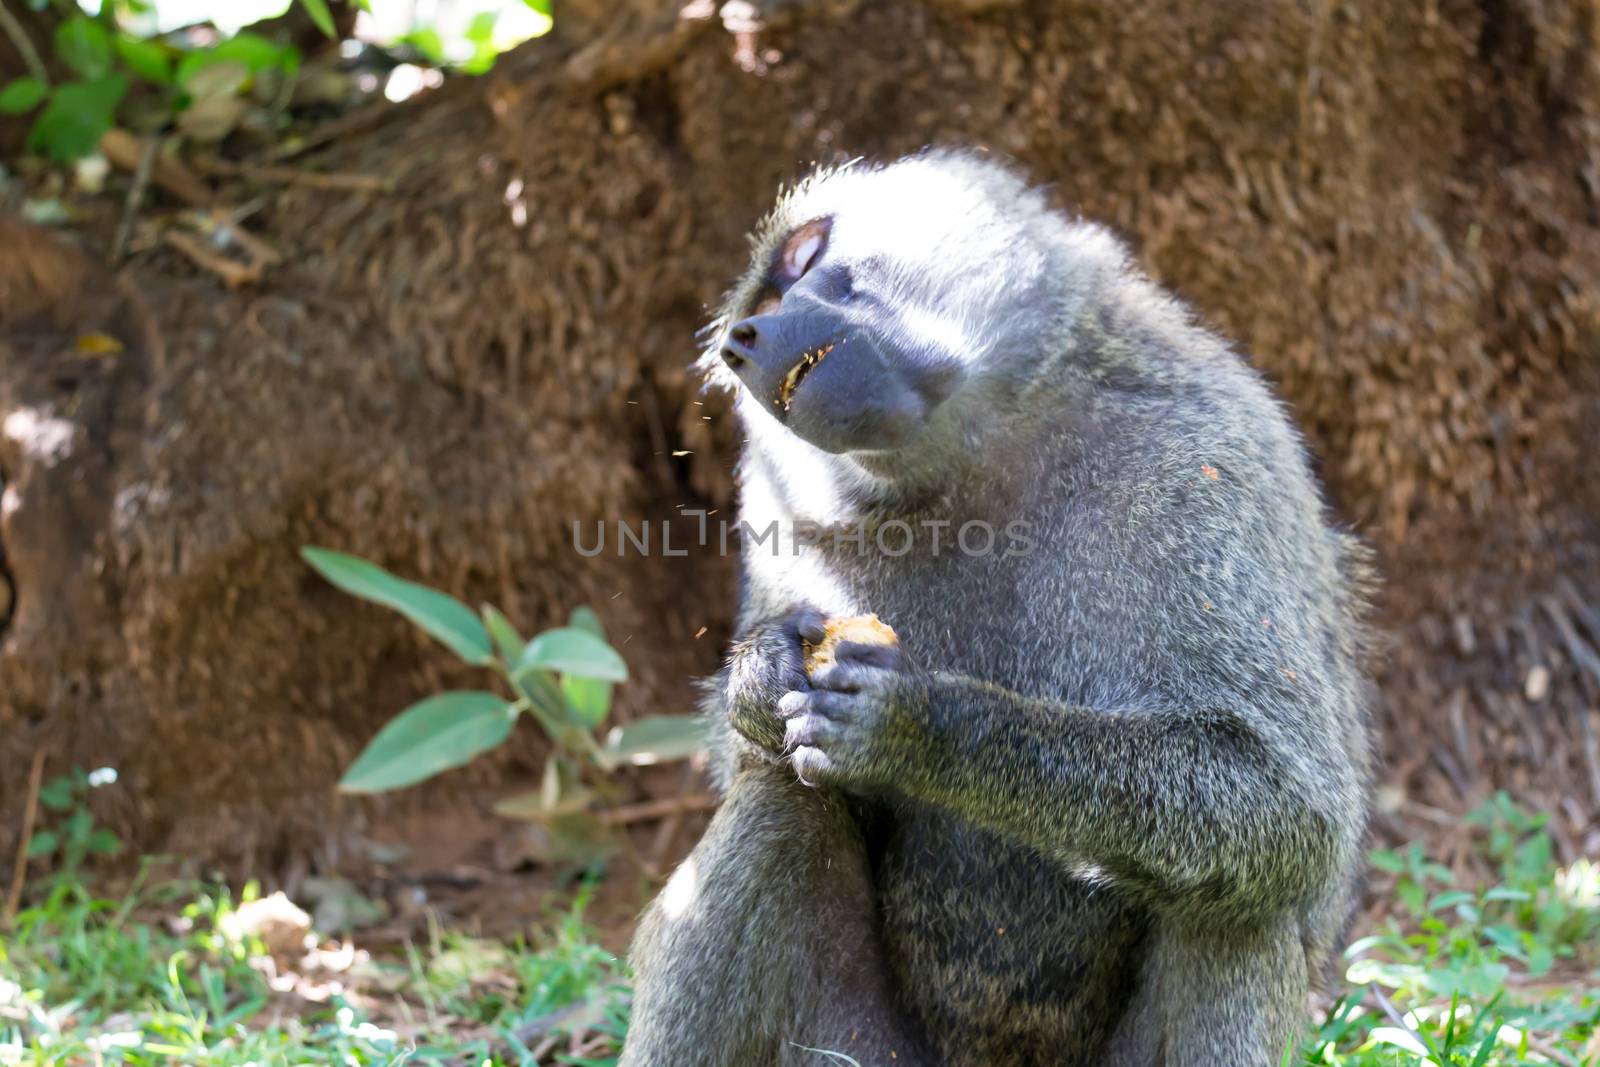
[(95, 343), (280, 924)]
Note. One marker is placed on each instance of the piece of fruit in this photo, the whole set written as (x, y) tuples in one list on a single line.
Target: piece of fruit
[(862, 629)]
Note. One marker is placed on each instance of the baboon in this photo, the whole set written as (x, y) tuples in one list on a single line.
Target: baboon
[(1105, 803)]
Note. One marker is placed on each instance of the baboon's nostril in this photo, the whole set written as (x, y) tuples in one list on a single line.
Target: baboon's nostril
[(733, 359), (745, 334)]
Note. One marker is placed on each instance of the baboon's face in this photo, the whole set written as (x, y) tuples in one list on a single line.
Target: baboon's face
[(875, 305)]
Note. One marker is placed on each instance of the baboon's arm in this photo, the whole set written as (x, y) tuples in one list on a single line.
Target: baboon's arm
[(1203, 810)]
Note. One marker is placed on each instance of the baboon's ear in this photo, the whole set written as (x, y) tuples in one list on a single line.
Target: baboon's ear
[(802, 249), (798, 253)]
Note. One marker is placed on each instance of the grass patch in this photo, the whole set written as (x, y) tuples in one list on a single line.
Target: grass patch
[(1479, 976), (171, 975), (170, 971)]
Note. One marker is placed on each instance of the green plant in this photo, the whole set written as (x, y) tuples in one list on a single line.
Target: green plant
[(318, 10), (204, 92), (69, 835), (563, 678), (77, 112), (203, 88), (169, 972), (479, 35), (1433, 984)]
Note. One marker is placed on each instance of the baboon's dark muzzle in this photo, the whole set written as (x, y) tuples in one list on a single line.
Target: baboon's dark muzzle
[(825, 378), (774, 354)]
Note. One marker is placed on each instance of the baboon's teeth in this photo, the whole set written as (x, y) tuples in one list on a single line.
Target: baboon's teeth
[(791, 381)]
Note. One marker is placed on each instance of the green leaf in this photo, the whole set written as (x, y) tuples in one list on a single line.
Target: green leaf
[(250, 50), (77, 116), (318, 10), (58, 794), (433, 735), (481, 28), (1387, 860), (569, 650), (1450, 899), (481, 60), (43, 844), (429, 43), (480, 34), (21, 95), (654, 739), (84, 45), (507, 641), (105, 843), (588, 698), (1501, 892), (584, 618), (1540, 959), (541, 6), (444, 617), (78, 825), (547, 704), (145, 58)]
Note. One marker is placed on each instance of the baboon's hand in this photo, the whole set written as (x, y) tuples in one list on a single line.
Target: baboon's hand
[(843, 728), (766, 664)]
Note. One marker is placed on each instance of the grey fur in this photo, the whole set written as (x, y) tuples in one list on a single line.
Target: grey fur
[(1110, 806)]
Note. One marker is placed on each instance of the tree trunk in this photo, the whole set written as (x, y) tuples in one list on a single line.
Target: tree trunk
[(1393, 207)]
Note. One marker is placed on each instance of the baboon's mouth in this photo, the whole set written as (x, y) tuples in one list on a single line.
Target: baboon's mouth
[(791, 381)]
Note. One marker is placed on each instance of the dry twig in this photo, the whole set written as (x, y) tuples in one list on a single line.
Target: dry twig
[(130, 207), (19, 873), (374, 114), (655, 809), (24, 45), (356, 183), (233, 273), (124, 150), (1395, 1017), (224, 229), (545, 1024)]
